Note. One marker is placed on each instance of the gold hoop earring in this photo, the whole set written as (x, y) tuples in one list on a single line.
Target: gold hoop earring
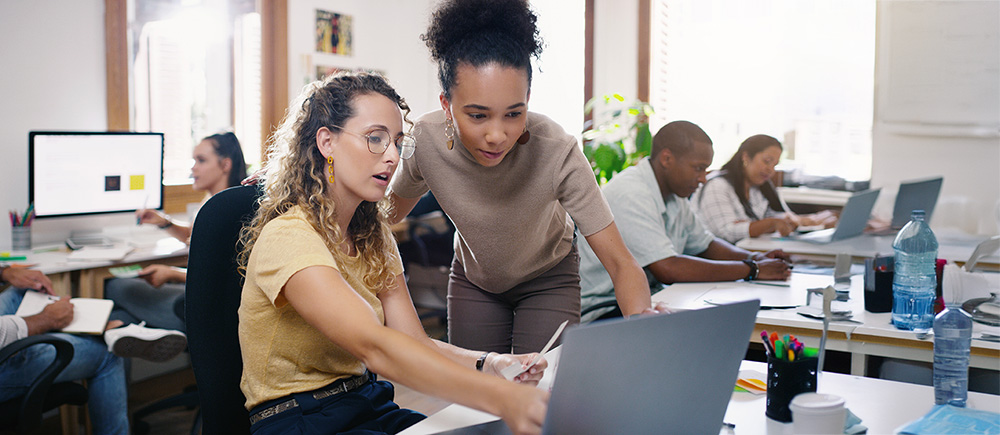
[(449, 132)]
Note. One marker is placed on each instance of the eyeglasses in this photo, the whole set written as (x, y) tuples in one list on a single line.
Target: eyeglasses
[(379, 140)]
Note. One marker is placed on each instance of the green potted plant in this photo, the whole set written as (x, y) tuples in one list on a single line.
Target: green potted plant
[(618, 136)]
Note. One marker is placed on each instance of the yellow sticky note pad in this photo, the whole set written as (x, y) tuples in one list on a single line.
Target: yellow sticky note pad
[(136, 182)]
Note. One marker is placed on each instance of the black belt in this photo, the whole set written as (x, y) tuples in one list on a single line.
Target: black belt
[(340, 386)]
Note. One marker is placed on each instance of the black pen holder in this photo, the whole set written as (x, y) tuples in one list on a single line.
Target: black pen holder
[(785, 380), (878, 285)]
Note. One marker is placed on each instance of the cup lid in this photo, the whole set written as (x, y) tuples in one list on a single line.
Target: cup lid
[(816, 401)]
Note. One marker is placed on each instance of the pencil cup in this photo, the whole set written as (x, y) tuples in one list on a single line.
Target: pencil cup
[(20, 238), (785, 380)]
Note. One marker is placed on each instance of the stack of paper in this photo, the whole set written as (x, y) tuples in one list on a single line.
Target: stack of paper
[(98, 253)]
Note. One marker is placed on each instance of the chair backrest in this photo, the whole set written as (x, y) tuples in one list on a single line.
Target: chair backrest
[(212, 298)]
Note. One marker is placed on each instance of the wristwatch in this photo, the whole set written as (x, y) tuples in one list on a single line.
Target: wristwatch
[(481, 361), (753, 269), (169, 223)]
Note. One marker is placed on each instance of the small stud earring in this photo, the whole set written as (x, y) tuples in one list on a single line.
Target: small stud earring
[(449, 132)]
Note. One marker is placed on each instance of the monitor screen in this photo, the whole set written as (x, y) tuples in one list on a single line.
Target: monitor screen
[(78, 173)]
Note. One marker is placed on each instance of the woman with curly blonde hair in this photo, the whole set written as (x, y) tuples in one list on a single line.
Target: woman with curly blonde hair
[(325, 305)]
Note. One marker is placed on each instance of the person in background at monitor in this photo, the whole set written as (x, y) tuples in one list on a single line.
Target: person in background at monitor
[(661, 229), (739, 201), (156, 298)]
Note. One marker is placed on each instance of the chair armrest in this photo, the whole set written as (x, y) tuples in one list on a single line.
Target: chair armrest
[(34, 400)]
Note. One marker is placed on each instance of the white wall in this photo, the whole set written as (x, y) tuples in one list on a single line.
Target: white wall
[(53, 77), (386, 38), (616, 47)]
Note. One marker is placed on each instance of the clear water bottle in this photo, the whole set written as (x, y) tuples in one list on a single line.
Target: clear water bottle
[(952, 341), (914, 280)]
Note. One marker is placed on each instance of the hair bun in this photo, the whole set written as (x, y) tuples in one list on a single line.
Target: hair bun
[(458, 21)]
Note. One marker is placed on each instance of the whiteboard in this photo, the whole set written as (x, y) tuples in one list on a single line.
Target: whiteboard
[(939, 63)]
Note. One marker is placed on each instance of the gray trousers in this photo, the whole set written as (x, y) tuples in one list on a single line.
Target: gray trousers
[(519, 320), (137, 301)]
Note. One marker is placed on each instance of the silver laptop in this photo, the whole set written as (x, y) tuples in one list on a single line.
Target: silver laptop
[(670, 373), (915, 195), (852, 222)]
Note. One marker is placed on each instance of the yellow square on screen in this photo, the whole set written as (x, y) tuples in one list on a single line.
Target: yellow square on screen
[(136, 182)]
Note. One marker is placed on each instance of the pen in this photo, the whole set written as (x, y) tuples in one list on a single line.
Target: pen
[(772, 284), (145, 202)]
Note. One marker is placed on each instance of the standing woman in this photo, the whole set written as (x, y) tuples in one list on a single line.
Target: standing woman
[(512, 181), (740, 201), (324, 299)]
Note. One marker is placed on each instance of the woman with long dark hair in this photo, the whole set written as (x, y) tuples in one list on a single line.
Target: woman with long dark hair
[(739, 201)]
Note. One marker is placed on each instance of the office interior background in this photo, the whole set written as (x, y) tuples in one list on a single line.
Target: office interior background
[(879, 90)]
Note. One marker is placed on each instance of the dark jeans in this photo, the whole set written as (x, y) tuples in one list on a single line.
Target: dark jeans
[(368, 409)]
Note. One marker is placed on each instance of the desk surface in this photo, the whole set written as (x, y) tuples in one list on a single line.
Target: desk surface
[(870, 334), (952, 246), (149, 246), (883, 406)]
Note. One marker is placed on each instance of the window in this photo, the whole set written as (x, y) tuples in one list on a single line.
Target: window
[(195, 70), (801, 71)]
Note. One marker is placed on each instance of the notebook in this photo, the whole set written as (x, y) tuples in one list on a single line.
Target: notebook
[(90, 316), (670, 373), (852, 222), (915, 195)]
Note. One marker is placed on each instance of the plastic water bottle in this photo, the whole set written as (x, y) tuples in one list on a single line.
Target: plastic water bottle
[(952, 341), (914, 280)]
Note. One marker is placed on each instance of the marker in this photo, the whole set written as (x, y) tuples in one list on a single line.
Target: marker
[(791, 355), (766, 343), (779, 350), (774, 340)]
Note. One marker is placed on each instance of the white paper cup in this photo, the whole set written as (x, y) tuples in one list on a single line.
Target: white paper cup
[(816, 413)]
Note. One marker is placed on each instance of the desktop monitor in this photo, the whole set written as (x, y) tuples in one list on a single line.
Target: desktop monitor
[(85, 173)]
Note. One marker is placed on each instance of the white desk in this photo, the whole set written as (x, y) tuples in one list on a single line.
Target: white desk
[(952, 246), (151, 246), (883, 406), (873, 336)]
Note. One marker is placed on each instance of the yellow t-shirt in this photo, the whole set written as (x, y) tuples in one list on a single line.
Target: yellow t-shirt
[(282, 354)]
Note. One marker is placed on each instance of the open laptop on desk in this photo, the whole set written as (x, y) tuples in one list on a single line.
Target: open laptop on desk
[(668, 373), (852, 222), (913, 195)]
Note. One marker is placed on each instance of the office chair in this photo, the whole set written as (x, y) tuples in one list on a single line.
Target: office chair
[(427, 254), (212, 297), (24, 413)]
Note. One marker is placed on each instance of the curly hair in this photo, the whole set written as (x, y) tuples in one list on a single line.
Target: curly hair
[(295, 174), (481, 32)]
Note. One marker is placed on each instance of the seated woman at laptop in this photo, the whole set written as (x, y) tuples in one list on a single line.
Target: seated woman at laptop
[(325, 303), (739, 201)]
